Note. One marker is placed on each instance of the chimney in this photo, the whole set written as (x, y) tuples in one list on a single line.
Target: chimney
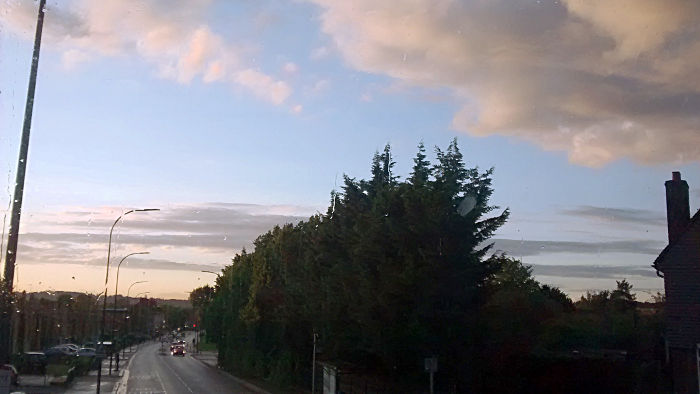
[(677, 206)]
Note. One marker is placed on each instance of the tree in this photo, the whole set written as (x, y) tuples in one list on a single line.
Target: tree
[(201, 296), (394, 271)]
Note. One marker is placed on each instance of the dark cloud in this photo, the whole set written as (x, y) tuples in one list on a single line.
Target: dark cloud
[(213, 225), (215, 218), (217, 229), (594, 271), (236, 241), (619, 215), (135, 263), (519, 248)]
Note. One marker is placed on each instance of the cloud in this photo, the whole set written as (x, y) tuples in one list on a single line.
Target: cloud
[(136, 263), (319, 53), (263, 86), (593, 271), (291, 68), (72, 58), (205, 232), (297, 109), (519, 248), (619, 215), (601, 80), (173, 36), (321, 86)]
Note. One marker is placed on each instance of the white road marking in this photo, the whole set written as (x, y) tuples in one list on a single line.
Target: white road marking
[(161, 383), (179, 378)]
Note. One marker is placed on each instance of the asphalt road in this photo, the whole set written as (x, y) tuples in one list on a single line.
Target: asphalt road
[(152, 372)]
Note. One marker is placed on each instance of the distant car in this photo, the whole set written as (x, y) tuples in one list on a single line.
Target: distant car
[(71, 346), (178, 351), (57, 352), (14, 376), (68, 349), (86, 352)]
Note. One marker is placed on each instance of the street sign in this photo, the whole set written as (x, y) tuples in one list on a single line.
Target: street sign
[(5, 380)]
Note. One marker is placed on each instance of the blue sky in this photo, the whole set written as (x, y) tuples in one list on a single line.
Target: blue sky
[(203, 107)]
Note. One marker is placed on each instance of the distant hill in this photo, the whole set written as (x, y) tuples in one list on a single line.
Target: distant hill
[(53, 295)]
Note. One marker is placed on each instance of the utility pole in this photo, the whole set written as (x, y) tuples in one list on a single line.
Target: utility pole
[(313, 366), (13, 237)]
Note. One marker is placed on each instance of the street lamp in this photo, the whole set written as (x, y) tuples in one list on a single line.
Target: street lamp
[(104, 304), (116, 286), (127, 310), (132, 285), (212, 272)]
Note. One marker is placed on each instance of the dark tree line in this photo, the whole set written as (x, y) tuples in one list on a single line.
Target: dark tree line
[(394, 271)]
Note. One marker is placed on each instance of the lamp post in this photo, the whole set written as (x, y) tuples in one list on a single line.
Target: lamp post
[(116, 286), (212, 272), (127, 308), (104, 304)]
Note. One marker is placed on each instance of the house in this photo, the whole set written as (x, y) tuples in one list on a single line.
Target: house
[(679, 265)]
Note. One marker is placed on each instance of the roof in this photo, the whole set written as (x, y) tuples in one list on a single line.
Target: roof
[(658, 263)]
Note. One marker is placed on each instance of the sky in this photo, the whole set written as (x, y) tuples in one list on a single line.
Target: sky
[(232, 117)]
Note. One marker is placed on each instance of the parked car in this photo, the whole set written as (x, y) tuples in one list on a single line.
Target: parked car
[(86, 352), (87, 359), (14, 376), (60, 354), (69, 348), (32, 363)]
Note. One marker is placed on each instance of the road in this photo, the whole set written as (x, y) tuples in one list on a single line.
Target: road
[(152, 372)]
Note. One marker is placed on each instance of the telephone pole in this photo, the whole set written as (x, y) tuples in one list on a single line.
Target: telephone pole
[(13, 237)]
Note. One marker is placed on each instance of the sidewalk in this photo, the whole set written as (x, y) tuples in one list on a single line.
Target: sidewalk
[(210, 359), (40, 384), (207, 357)]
